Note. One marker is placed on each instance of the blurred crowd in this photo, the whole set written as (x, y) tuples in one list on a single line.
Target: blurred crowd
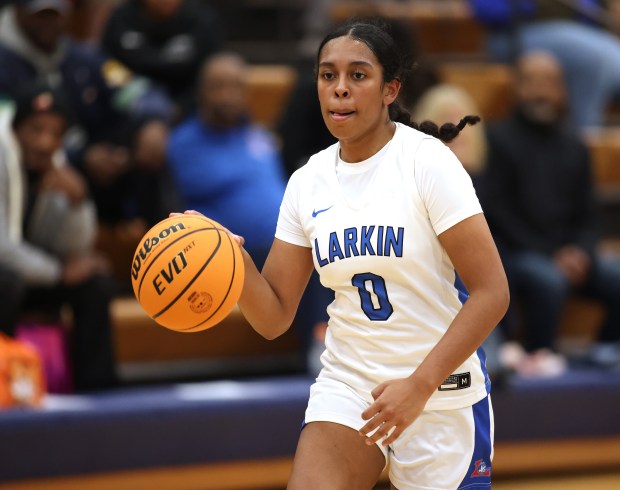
[(99, 140)]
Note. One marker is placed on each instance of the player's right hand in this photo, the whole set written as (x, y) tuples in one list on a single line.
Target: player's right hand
[(239, 240)]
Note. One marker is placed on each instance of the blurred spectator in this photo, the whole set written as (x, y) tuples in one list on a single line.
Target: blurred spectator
[(539, 201), (575, 32), (224, 165), (449, 103), (120, 131), (166, 41), (47, 228)]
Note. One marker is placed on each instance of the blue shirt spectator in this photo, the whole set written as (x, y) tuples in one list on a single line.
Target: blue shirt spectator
[(225, 166)]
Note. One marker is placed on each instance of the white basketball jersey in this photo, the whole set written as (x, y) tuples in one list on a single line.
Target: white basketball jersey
[(395, 287)]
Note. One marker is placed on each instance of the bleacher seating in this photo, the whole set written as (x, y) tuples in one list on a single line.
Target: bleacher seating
[(148, 352), (269, 88), (489, 84), (444, 29)]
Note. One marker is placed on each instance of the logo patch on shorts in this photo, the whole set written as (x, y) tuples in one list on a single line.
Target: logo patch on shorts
[(456, 382), (481, 469)]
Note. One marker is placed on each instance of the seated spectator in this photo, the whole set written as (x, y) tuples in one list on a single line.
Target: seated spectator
[(225, 166), (576, 32), (539, 201), (449, 103), (47, 229), (121, 122), (166, 41)]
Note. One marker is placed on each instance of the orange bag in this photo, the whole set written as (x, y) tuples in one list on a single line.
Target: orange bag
[(22, 381)]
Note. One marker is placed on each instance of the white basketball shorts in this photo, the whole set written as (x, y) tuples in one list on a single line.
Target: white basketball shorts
[(442, 449)]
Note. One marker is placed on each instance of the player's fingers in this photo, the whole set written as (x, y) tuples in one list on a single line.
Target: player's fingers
[(376, 393), (392, 436), (371, 425), (174, 215), (370, 412), (237, 238), (383, 431), (193, 213)]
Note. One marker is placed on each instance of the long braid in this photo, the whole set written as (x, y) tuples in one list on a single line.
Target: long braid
[(446, 133)]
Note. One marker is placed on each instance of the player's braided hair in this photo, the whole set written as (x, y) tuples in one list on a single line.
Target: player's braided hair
[(375, 33), (446, 133)]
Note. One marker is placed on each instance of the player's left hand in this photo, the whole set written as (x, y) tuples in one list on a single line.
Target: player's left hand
[(397, 404)]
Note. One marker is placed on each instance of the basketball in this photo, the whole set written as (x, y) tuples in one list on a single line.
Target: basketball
[(187, 273)]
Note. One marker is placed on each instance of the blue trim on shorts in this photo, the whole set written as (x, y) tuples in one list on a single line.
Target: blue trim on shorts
[(483, 366), (478, 474)]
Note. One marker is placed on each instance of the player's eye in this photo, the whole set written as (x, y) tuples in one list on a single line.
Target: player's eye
[(358, 75), (327, 75)]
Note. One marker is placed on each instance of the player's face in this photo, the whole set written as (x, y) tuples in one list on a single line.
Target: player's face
[(353, 96)]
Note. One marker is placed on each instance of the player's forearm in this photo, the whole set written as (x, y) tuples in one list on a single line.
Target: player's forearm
[(479, 315), (260, 304)]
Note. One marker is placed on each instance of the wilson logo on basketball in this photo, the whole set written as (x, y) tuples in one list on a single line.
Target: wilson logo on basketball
[(149, 244)]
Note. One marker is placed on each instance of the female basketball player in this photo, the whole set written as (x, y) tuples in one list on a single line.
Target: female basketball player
[(386, 215)]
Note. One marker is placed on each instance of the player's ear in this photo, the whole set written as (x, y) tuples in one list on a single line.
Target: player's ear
[(391, 90)]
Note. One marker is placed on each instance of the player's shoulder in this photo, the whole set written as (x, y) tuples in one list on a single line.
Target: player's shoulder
[(412, 139), (419, 147)]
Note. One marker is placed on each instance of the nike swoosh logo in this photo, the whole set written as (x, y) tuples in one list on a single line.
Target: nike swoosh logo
[(316, 213)]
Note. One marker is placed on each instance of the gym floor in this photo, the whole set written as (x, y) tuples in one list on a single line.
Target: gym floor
[(595, 481), (581, 481)]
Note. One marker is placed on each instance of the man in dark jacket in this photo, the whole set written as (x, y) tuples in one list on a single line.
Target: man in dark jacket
[(166, 41), (539, 200)]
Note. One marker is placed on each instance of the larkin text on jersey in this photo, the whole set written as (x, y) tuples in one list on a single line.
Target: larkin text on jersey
[(353, 242)]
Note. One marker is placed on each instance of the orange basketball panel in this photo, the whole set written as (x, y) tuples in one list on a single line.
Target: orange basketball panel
[(187, 273)]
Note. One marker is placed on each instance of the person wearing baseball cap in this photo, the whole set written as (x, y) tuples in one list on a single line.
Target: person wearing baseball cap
[(33, 6), (40, 98), (48, 224), (121, 120)]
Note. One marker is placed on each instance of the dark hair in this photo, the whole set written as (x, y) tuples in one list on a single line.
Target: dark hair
[(375, 33)]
